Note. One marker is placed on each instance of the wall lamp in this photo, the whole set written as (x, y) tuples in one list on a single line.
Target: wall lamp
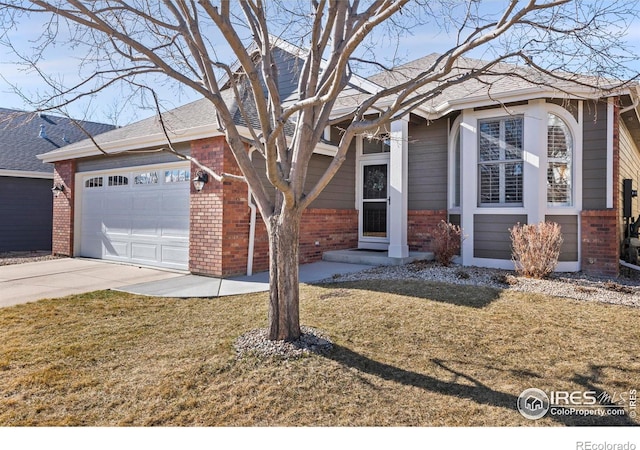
[(56, 189), (200, 180)]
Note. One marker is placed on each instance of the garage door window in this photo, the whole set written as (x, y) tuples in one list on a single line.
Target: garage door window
[(118, 180), (93, 182), (176, 176), (145, 178)]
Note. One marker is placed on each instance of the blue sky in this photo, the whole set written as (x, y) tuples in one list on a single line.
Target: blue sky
[(62, 62)]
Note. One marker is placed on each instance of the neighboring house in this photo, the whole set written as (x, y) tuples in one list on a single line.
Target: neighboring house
[(25, 182), (485, 156)]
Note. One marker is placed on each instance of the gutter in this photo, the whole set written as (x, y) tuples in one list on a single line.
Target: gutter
[(252, 225)]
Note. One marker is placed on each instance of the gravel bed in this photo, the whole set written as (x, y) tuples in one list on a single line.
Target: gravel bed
[(8, 258), (255, 343), (621, 291)]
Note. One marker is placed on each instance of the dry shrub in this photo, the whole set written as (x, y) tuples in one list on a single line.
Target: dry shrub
[(447, 238), (536, 248)]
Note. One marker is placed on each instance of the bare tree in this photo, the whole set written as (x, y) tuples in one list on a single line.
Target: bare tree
[(180, 40)]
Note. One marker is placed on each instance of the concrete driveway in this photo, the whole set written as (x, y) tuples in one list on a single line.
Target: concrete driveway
[(22, 283)]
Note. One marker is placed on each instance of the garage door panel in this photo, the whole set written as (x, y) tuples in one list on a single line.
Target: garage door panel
[(174, 227), (118, 200), (117, 225), (174, 255), (144, 223), (144, 252), (116, 248), (174, 203), (146, 226), (147, 201)]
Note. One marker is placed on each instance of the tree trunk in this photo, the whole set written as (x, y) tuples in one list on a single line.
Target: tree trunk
[(284, 297)]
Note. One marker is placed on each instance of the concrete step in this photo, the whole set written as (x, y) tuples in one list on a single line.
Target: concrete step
[(373, 257)]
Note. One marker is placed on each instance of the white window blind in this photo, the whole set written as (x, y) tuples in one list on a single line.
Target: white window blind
[(559, 162), (500, 161)]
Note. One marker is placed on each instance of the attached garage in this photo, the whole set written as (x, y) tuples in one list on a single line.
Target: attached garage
[(137, 215)]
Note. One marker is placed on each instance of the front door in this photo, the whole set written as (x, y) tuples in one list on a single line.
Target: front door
[(374, 211)]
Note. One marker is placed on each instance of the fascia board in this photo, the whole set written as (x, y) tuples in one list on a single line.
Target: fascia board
[(25, 174), (155, 140), (114, 147), (449, 106)]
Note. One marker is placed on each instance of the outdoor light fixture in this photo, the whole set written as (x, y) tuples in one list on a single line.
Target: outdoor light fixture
[(56, 189), (200, 180)]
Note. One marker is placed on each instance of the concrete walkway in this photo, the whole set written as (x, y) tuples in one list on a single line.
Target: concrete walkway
[(198, 286), (22, 283)]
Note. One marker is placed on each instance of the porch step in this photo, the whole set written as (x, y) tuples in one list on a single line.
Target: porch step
[(373, 257)]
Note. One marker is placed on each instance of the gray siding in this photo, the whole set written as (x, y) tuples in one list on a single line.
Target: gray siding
[(428, 162), (26, 214), (569, 230), (594, 156), (491, 237), (129, 160), (339, 193)]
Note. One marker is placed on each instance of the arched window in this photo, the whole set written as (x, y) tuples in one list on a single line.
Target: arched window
[(559, 162)]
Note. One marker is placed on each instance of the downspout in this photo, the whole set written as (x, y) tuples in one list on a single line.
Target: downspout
[(252, 226)]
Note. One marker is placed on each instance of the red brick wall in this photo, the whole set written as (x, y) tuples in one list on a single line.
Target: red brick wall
[(63, 209), (420, 223), (205, 249), (332, 229), (235, 221), (600, 242)]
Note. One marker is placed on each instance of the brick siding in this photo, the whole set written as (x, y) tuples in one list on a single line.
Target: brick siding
[(420, 224), (600, 242), (63, 209), (331, 229), (220, 222)]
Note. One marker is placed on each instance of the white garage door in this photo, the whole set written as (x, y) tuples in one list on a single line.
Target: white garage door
[(137, 216)]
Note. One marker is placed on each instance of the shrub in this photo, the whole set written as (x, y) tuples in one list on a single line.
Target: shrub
[(446, 242), (536, 248)]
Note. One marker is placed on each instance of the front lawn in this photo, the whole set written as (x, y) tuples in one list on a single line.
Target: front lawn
[(405, 353)]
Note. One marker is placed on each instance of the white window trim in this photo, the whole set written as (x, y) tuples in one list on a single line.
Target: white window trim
[(535, 173), (575, 127), (454, 132)]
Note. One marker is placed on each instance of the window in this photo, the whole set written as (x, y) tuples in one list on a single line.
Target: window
[(456, 171), (500, 161), (176, 175), (146, 178), (378, 144), (93, 182), (118, 180), (559, 158)]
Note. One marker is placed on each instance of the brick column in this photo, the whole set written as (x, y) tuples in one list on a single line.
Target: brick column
[(600, 242), (63, 209), (219, 215)]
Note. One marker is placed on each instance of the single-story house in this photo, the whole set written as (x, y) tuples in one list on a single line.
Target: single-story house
[(26, 205), (484, 154)]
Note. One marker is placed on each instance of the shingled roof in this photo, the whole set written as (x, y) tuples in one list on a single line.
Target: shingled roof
[(23, 135), (501, 80)]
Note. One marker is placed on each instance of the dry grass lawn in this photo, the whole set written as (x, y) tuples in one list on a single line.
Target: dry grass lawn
[(407, 353)]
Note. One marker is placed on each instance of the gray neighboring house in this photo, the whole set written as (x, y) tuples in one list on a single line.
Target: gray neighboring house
[(26, 206)]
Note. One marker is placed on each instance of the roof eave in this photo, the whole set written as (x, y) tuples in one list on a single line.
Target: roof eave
[(124, 145)]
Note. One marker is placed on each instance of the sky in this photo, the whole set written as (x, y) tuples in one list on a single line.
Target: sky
[(110, 106)]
